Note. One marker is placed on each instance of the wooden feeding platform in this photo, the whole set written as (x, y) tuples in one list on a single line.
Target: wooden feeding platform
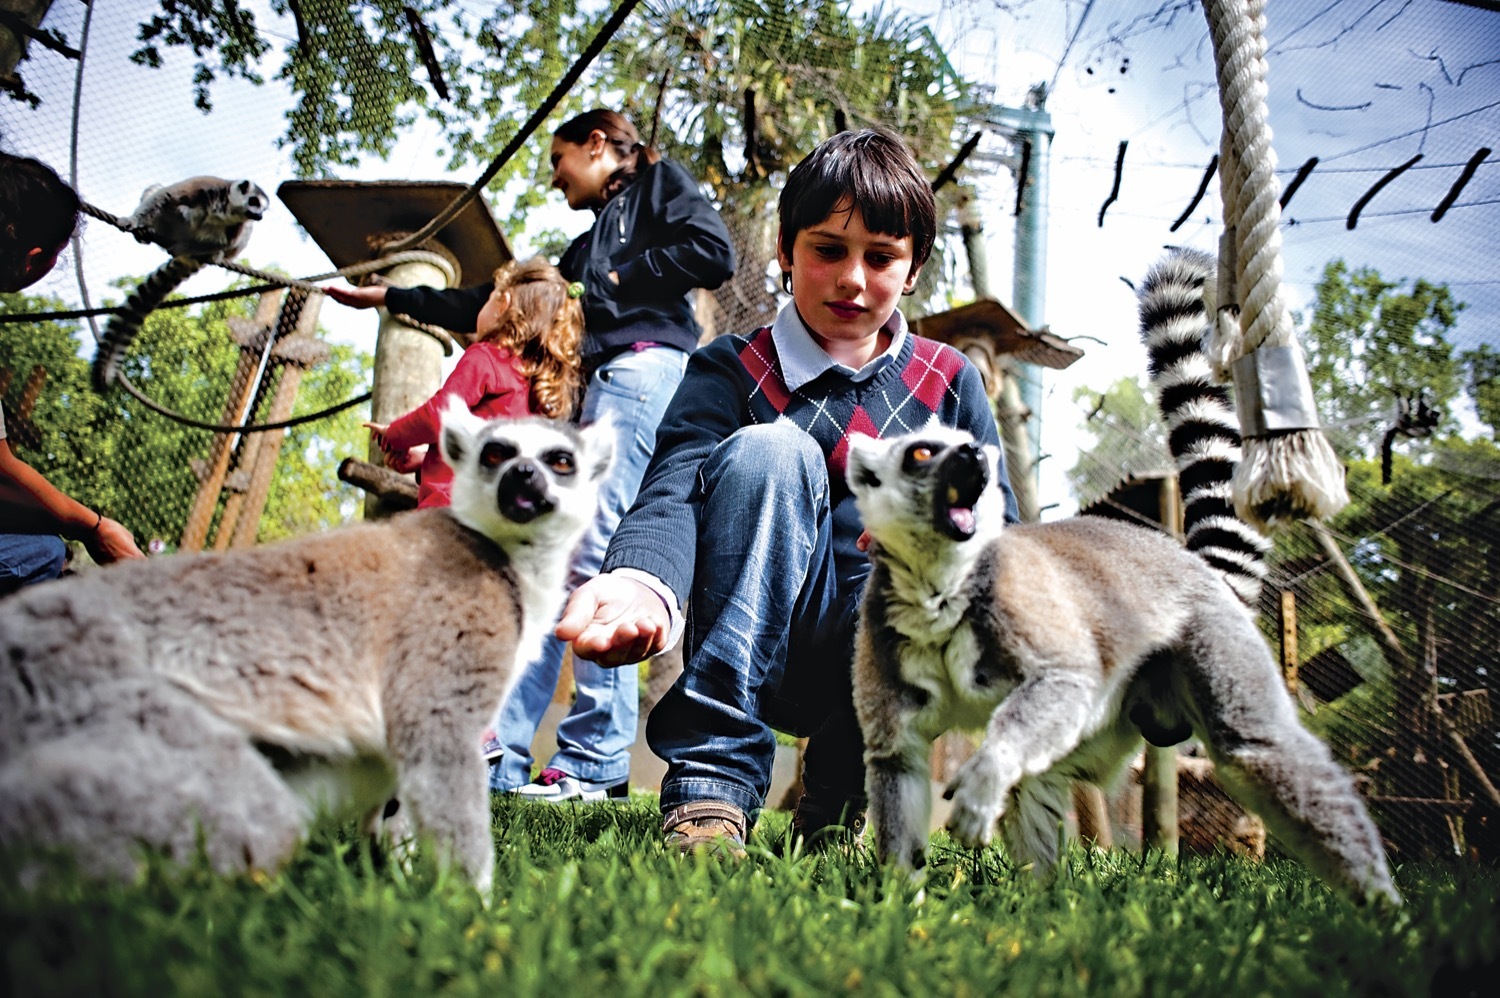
[(351, 220), (1008, 335)]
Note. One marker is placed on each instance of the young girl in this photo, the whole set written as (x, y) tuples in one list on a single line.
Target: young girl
[(523, 361), (654, 241)]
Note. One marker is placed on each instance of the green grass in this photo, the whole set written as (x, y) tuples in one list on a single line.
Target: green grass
[(588, 905)]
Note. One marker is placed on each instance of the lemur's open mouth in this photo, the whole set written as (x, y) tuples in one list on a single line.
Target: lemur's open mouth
[(522, 492), (960, 479)]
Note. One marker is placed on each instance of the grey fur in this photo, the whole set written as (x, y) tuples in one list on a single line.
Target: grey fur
[(242, 697), (203, 218), (1047, 635)]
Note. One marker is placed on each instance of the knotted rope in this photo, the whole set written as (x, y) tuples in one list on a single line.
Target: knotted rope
[(1288, 470)]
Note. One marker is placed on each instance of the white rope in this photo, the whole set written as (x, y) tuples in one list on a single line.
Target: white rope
[(1288, 470)]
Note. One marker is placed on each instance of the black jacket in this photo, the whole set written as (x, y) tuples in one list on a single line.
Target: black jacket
[(659, 235)]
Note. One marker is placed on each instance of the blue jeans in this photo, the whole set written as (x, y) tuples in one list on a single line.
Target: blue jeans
[(594, 739), (29, 558), (770, 633)]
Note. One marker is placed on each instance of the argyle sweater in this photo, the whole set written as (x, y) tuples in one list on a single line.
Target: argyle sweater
[(736, 381)]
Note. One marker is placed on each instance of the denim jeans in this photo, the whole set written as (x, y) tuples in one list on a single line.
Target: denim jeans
[(594, 739), (29, 558), (770, 632)]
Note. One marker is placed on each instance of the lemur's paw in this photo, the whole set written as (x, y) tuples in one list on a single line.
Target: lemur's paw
[(978, 796), (903, 847)]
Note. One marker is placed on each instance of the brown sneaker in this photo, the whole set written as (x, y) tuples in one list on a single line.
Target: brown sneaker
[(704, 825)]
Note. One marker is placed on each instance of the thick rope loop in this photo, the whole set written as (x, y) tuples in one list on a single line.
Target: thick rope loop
[(1287, 470)]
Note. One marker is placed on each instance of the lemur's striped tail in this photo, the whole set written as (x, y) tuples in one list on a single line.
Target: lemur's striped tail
[(126, 323), (1176, 305)]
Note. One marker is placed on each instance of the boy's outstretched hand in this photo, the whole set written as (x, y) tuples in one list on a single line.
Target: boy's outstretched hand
[(615, 620)]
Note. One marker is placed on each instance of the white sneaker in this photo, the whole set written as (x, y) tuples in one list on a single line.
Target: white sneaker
[(556, 787)]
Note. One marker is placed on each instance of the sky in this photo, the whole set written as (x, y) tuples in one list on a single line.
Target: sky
[(1364, 85)]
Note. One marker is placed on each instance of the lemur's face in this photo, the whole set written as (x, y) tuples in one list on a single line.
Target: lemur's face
[(928, 489), (247, 200), (523, 478)]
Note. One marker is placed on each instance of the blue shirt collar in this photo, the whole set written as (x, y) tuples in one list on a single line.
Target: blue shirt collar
[(802, 359)]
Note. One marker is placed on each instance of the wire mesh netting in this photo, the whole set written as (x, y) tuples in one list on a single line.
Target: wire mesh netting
[(1067, 144)]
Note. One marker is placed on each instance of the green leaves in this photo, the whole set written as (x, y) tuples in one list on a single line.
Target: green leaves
[(141, 468), (225, 30), (1368, 342)]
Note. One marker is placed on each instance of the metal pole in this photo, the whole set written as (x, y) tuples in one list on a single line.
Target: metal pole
[(1011, 414), (1031, 127)]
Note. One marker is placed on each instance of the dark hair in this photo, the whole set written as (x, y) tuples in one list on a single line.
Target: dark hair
[(634, 154), (876, 173), (38, 210)]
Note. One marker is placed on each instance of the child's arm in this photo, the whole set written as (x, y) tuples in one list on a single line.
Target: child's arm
[(107, 540), (659, 534), (363, 296), (613, 619), (477, 374), (402, 462), (452, 308)]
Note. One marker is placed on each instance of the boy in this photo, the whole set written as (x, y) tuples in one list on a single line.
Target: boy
[(744, 530)]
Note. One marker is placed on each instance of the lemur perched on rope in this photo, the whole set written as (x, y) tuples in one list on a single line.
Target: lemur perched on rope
[(199, 221)]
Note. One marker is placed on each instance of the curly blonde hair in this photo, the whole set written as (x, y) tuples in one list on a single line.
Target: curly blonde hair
[(543, 328)]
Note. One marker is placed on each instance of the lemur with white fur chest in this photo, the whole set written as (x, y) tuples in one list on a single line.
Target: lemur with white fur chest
[(1064, 641)]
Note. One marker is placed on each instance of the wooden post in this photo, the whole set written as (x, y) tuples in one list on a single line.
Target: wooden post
[(1093, 816), (295, 354), (252, 336), (408, 362), (1012, 415), (563, 693), (233, 489), (1159, 775), (1289, 639), (1159, 800)]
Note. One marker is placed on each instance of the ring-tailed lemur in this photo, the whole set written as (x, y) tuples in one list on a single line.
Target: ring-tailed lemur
[(242, 696), (200, 220), (205, 218), (1056, 638)]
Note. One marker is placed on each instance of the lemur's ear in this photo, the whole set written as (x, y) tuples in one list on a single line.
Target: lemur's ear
[(459, 429), (599, 443)]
